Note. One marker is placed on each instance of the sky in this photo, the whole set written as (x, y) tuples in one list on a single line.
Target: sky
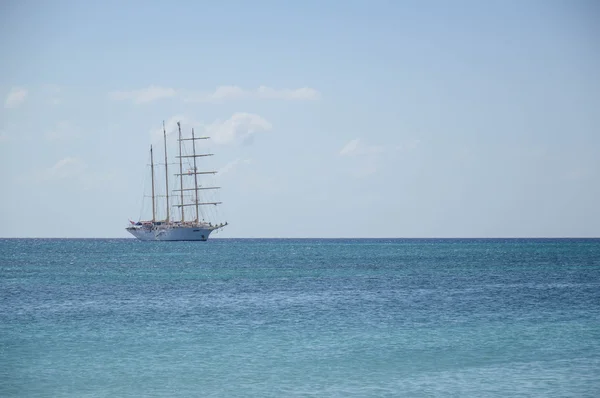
[(327, 118)]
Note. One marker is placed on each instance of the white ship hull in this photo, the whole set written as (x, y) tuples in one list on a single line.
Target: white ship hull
[(171, 233)]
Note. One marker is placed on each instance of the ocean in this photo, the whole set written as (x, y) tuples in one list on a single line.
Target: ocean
[(300, 318)]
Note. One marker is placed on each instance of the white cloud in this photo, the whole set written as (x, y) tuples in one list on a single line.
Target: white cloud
[(224, 93), (65, 168), (75, 171), (355, 147), (144, 95), (171, 127), (241, 127), (220, 94), (350, 147), (304, 93), (4, 137), (15, 97)]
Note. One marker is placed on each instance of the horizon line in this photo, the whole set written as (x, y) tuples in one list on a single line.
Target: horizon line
[(332, 238)]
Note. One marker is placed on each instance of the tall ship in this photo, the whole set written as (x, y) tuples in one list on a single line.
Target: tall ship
[(184, 216)]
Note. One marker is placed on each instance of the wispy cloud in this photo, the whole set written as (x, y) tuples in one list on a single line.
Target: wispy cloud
[(220, 94), (240, 127), (301, 94), (15, 97), (73, 170), (228, 93), (144, 95), (171, 126), (356, 147), (65, 168)]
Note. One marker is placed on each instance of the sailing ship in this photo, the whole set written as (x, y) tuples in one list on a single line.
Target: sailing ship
[(188, 227)]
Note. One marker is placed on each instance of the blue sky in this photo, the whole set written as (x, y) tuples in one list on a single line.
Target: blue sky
[(329, 119)]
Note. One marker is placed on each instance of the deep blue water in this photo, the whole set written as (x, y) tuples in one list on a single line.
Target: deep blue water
[(285, 318)]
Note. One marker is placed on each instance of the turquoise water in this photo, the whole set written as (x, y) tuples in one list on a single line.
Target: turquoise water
[(286, 318)]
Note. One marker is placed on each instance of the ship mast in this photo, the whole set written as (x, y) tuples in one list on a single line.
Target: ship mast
[(166, 170), (181, 172), (195, 175), (152, 172), (195, 172)]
